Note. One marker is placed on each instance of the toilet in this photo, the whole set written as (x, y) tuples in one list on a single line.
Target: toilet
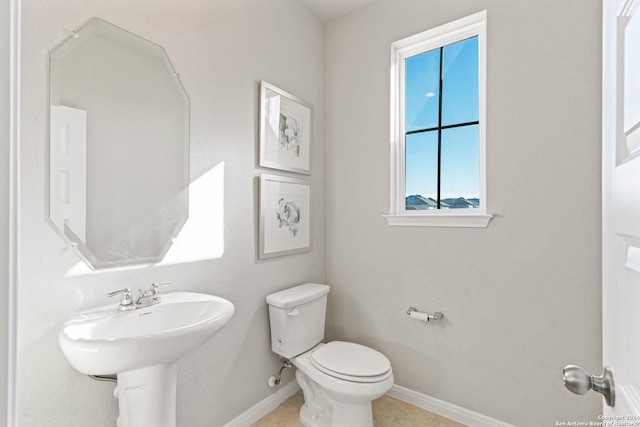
[(338, 379)]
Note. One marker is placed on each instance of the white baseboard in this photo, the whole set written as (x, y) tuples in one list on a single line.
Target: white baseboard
[(265, 406), (445, 409), (431, 404)]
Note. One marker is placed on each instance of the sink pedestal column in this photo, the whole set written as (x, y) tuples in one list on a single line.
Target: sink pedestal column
[(147, 396)]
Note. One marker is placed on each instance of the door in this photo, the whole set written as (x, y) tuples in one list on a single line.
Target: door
[(620, 217), (621, 203)]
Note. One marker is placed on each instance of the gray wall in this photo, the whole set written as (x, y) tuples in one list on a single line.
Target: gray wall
[(222, 49), (521, 298)]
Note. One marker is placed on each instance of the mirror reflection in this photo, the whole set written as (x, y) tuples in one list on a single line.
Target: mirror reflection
[(119, 146)]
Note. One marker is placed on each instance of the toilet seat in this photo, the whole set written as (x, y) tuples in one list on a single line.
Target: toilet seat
[(351, 362)]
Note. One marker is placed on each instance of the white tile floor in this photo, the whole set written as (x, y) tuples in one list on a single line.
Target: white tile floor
[(387, 412)]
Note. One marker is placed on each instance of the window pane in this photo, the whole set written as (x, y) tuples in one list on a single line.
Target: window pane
[(421, 171), (460, 174), (460, 82), (422, 90)]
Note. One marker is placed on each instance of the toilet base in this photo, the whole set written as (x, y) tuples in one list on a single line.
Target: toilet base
[(311, 418), (319, 410)]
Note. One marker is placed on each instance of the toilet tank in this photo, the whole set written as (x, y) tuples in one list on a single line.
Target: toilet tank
[(296, 317)]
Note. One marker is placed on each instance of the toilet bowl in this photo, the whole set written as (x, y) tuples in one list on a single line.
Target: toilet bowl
[(339, 379), (335, 394)]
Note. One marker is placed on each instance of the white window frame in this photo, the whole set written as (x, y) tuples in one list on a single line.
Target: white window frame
[(470, 26)]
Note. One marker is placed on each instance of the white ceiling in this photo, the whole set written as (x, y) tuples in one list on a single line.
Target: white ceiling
[(328, 10)]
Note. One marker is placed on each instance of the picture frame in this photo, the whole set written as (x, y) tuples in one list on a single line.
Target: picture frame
[(285, 216), (285, 130)]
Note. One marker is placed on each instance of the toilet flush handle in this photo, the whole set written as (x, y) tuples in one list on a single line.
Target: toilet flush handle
[(293, 313)]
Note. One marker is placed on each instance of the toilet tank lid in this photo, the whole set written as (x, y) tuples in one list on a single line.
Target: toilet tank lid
[(297, 295)]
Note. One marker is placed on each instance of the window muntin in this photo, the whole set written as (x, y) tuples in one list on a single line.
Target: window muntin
[(441, 102), (438, 111)]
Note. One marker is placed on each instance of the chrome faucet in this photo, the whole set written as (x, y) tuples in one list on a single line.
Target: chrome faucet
[(145, 298)]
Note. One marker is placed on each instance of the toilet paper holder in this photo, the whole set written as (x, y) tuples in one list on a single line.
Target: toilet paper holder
[(425, 317)]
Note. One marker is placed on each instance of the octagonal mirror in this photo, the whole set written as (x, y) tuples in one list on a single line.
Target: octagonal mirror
[(119, 146)]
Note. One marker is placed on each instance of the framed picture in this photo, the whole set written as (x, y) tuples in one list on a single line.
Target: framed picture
[(285, 216), (285, 130)]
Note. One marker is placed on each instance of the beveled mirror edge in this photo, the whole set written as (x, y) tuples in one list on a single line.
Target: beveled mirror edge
[(67, 234)]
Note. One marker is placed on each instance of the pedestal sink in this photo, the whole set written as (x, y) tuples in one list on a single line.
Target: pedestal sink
[(142, 347)]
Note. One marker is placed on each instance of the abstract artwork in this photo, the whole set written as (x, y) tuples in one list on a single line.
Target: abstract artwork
[(284, 216), (285, 130)]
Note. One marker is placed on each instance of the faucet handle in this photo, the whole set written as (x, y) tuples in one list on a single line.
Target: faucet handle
[(156, 285), (126, 300), (155, 289)]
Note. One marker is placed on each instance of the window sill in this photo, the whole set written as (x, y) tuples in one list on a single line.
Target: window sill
[(439, 220)]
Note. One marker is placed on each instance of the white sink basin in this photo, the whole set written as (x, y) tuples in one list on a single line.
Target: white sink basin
[(104, 341)]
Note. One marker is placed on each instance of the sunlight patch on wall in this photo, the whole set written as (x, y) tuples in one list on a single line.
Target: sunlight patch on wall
[(202, 237)]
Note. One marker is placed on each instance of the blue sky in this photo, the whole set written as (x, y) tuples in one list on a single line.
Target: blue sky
[(460, 174)]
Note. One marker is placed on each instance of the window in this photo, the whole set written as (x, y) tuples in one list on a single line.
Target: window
[(438, 126)]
